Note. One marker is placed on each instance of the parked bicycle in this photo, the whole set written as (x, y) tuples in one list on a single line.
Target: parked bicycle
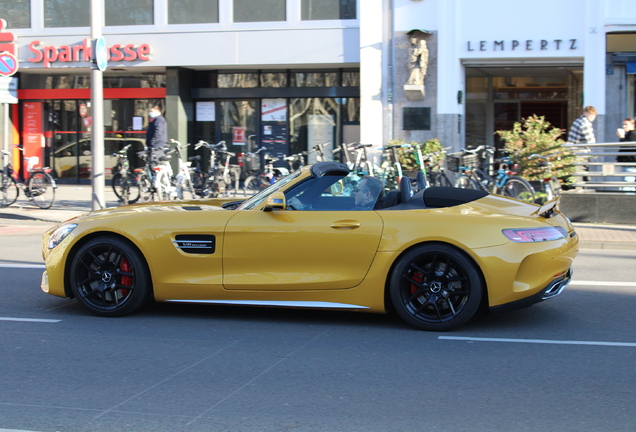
[(551, 183), (155, 180), (124, 181), (475, 167), (182, 181), (213, 174), (39, 188), (266, 176)]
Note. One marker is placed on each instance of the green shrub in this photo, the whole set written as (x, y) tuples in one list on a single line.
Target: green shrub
[(407, 155), (536, 135)]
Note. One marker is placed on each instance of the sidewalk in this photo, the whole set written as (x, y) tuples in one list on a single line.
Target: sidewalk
[(73, 200)]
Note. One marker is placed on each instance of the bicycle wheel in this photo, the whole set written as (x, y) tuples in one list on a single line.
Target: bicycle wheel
[(185, 190), (466, 182), (165, 190), (9, 191), (442, 181), (518, 188), (147, 190), (41, 189), (131, 184), (252, 185)]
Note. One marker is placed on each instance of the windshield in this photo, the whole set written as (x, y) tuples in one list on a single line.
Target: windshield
[(262, 196)]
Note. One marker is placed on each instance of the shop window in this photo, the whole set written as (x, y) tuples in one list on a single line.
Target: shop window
[(314, 121), (314, 79), (350, 79), (135, 81), (259, 11), (328, 9), (237, 80), (273, 79), (67, 13), (129, 12), (193, 11), (17, 13)]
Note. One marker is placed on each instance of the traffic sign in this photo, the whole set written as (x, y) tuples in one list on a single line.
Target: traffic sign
[(83, 110), (101, 54), (8, 64)]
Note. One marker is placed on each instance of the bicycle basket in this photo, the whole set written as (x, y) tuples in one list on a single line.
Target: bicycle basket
[(471, 161), (453, 162)]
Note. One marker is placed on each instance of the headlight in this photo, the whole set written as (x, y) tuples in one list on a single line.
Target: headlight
[(60, 234), (529, 235)]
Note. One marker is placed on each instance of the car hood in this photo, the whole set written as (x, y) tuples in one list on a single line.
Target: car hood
[(145, 208)]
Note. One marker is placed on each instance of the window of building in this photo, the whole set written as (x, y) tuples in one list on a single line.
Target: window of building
[(328, 9), (258, 11), (17, 13), (129, 12), (67, 13), (273, 79), (314, 79), (237, 80), (350, 79), (39, 81), (193, 11)]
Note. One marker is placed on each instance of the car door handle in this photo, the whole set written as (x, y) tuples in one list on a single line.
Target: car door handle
[(345, 224)]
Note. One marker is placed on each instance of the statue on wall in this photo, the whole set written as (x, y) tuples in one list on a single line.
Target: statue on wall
[(417, 64), (418, 60)]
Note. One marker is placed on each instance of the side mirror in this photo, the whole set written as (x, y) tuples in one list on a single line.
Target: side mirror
[(275, 201)]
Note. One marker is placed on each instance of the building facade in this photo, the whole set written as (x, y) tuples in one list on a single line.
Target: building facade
[(290, 74)]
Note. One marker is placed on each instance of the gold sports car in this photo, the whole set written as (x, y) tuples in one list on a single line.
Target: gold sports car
[(319, 238)]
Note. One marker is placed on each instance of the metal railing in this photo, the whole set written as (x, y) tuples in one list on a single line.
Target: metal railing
[(597, 169)]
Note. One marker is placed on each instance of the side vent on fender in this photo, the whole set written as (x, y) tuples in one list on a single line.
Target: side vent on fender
[(195, 243)]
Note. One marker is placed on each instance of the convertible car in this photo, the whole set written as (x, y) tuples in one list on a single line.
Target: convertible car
[(436, 256)]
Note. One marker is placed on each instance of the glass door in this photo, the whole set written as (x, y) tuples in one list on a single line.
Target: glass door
[(237, 121)]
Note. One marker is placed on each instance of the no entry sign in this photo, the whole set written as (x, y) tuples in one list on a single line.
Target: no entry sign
[(8, 64)]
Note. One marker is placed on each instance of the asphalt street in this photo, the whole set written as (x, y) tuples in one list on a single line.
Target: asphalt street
[(564, 364)]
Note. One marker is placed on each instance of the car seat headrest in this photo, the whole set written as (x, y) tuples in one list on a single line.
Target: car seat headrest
[(406, 190)]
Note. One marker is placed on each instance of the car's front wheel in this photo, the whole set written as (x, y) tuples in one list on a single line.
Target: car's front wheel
[(435, 287), (109, 277)]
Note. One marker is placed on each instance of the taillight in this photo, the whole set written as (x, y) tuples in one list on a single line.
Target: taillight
[(529, 235)]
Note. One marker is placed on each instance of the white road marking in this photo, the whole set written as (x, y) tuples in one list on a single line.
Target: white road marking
[(28, 320), (538, 341), (603, 283), (22, 266), (14, 430)]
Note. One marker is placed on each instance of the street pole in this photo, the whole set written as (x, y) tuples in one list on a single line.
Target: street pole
[(97, 109)]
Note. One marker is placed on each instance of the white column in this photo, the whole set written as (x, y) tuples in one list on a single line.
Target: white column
[(371, 73), (97, 112), (594, 51), (450, 76)]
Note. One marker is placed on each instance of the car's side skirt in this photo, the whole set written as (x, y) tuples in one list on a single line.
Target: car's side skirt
[(272, 303)]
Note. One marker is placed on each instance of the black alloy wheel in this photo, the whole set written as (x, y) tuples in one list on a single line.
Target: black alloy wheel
[(435, 287), (109, 277)]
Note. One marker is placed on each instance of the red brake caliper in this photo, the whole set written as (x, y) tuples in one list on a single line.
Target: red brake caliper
[(417, 277), (125, 280)]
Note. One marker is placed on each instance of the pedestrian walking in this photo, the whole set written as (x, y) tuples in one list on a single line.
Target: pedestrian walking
[(582, 132), (156, 135)]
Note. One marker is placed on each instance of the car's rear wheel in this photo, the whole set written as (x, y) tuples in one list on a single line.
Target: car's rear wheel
[(109, 277), (435, 287)]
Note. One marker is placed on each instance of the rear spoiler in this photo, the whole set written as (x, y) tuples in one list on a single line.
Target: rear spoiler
[(549, 209)]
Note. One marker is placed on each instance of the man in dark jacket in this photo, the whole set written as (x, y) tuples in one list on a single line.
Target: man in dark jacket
[(627, 134), (157, 134)]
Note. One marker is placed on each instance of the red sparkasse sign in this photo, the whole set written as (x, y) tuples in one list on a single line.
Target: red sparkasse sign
[(49, 54)]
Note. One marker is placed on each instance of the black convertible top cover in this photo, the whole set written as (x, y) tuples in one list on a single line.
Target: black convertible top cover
[(439, 197)]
